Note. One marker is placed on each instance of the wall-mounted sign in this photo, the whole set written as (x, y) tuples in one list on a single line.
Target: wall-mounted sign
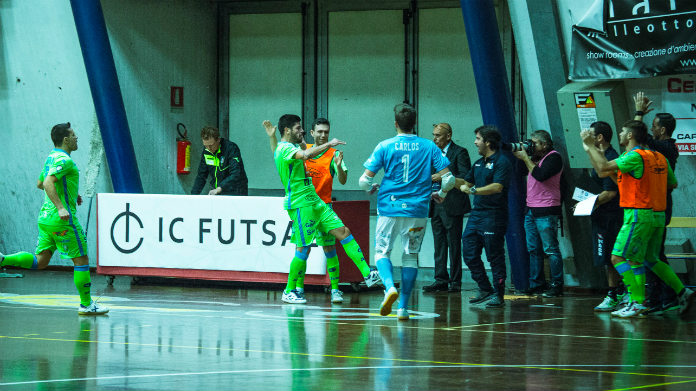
[(618, 39)]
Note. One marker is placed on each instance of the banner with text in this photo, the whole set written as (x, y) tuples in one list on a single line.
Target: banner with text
[(197, 232), (618, 39), (679, 99)]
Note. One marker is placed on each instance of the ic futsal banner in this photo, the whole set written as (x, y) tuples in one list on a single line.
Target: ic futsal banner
[(197, 232), (618, 39)]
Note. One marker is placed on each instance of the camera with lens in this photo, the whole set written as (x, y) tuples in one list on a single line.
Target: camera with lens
[(526, 145)]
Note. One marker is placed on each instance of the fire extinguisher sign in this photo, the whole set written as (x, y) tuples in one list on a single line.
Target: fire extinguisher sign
[(176, 96)]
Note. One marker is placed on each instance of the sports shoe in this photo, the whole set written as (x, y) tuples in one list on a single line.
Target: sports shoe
[(654, 308), (624, 300), (372, 278), (336, 296), (93, 308), (685, 300), (300, 292), (293, 297), (496, 302), (608, 304), (555, 291), (402, 314), (436, 287), (482, 296), (670, 306), (635, 310), (390, 297)]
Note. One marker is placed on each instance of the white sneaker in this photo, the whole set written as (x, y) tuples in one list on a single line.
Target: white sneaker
[(293, 298), (685, 300), (300, 293), (372, 278), (92, 309), (402, 314), (620, 308), (390, 297), (336, 296), (608, 304), (635, 310)]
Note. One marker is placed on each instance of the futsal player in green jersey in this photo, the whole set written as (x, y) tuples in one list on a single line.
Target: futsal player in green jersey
[(59, 229), (309, 214)]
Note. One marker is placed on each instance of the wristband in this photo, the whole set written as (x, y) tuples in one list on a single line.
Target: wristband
[(472, 190), (640, 113)]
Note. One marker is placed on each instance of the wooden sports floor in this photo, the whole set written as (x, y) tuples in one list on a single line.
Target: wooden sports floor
[(213, 337)]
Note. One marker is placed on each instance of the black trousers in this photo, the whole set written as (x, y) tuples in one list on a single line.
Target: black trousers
[(485, 230), (447, 233)]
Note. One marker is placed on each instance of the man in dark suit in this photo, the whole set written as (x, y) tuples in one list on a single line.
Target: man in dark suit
[(447, 218)]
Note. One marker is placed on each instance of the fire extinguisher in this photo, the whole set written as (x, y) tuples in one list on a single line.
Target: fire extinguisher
[(183, 151)]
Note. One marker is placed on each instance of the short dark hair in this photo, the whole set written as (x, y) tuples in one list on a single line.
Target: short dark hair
[(603, 128), (287, 121), (60, 132), (320, 121), (667, 120), (490, 134), (210, 132), (405, 117), (544, 137), (638, 129)]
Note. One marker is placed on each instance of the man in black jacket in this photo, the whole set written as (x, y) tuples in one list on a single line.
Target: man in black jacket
[(222, 160), (447, 218)]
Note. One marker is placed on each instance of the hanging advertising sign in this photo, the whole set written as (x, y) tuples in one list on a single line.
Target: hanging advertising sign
[(618, 39), (679, 97)]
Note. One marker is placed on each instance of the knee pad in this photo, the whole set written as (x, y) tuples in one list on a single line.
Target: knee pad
[(409, 260)]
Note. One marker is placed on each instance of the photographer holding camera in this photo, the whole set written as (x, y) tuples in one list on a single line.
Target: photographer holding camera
[(545, 167)]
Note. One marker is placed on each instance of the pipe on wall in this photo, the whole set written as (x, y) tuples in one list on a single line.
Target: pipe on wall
[(493, 90), (106, 93)]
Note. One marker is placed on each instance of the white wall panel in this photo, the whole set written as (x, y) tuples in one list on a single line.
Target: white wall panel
[(446, 88), (366, 80), (265, 82)]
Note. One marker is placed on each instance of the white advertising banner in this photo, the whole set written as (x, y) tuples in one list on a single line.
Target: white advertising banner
[(197, 232), (679, 99)]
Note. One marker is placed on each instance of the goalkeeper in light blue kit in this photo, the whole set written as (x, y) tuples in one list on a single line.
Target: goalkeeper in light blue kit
[(404, 197)]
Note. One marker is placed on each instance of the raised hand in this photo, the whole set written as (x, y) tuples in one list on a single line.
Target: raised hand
[(642, 102), (338, 158), (334, 142), (270, 129)]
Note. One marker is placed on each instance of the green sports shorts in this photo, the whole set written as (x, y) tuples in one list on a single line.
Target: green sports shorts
[(312, 222), (634, 235), (69, 240), (652, 254)]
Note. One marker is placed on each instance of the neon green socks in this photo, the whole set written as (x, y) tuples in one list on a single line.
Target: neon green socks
[(628, 277), (352, 248), (332, 268), (22, 259), (297, 269), (666, 274), (83, 283)]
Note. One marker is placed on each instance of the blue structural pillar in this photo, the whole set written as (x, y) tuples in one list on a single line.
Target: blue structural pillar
[(106, 93), (496, 108)]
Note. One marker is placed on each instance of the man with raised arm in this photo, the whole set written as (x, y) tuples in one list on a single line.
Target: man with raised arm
[(309, 214)]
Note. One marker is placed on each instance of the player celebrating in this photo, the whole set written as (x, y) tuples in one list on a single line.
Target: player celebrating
[(322, 168), (309, 214)]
